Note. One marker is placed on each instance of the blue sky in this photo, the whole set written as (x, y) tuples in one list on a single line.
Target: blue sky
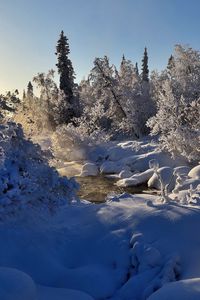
[(29, 30)]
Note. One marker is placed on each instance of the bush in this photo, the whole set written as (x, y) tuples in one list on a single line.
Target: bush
[(25, 176)]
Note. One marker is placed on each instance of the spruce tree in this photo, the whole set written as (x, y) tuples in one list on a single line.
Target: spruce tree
[(170, 65), (24, 95), (30, 90), (145, 69), (65, 68), (123, 60), (136, 69)]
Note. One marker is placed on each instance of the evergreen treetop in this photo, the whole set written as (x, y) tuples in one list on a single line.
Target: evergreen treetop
[(65, 68), (30, 90), (136, 69), (145, 69)]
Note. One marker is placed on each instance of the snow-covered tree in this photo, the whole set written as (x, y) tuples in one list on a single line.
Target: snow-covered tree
[(30, 90), (135, 97), (129, 90), (136, 69), (9, 104), (24, 95), (26, 179), (48, 93), (177, 95), (120, 99)]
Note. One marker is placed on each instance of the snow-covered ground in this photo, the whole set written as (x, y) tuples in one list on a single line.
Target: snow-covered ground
[(127, 249), (133, 247), (133, 163)]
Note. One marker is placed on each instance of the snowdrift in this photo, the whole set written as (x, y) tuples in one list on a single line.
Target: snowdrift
[(26, 179), (127, 249)]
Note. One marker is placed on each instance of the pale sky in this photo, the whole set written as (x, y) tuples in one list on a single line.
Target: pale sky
[(29, 30)]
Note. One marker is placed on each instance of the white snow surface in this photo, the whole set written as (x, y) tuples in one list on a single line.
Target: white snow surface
[(167, 177), (132, 156), (183, 289), (131, 248), (120, 250), (195, 172), (136, 179), (89, 169)]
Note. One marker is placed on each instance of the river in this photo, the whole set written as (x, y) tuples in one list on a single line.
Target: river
[(97, 188)]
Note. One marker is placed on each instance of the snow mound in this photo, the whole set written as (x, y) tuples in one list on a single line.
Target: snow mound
[(49, 293), (135, 179), (16, 285), (89, 169), (110, 167), (116, 153), (184, 289), (125, 173), (195, 172), (183, 170), (26, 177), (150, 270), (119, 250), (186, 184), (166, 175)]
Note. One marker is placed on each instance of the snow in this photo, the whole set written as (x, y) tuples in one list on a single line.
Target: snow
[(132, 157), (49, 293), (184, 289), (166, 174), (89, 169), (116, 250), (136, 179), (195, 172), (17, 285), (26, 179), (183, 170), (130, 248), (109, 167), (125, 174)]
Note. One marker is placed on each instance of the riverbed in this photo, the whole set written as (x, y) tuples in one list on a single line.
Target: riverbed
[(97, 189)]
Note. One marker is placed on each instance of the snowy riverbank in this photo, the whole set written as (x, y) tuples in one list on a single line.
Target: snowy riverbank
[(55, 247), (124, 249)]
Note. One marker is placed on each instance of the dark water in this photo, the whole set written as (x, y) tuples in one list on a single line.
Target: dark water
[(96, 189)]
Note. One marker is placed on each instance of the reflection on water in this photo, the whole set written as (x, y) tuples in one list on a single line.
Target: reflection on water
[(96, 188)]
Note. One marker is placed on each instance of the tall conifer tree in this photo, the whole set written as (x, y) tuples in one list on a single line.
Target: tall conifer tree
[(30, 90), (136, 69), (145, 69), (65, 68)]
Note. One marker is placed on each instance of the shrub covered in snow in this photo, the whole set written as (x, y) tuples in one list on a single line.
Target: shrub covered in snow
[(9, 104), (177, 94), (26, 177)]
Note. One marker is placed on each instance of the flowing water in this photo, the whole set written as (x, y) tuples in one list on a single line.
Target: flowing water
[(97, 188)]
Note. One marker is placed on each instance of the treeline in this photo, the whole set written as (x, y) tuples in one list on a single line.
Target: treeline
[(119, 102)]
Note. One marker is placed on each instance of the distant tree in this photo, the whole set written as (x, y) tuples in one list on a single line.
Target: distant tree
[(135, 96), (103, 74), (24, 95), (170, 65), (9, 104), (16, 92), (145, 69), (117, 102), (48, 92), (136, 69), (30, 90), (123, 60)]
